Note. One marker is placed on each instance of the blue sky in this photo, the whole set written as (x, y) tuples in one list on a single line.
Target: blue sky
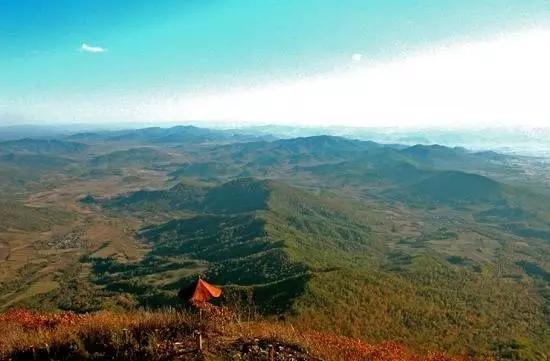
[(172, 60)]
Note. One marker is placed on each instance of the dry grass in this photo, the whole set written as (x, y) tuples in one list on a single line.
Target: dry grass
[(118, 237), (104, 335), (169, 335), (331, 347)]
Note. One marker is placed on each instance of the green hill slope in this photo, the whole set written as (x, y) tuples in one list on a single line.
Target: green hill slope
[(319, 260), (182, 196), (258, 232), (41, 146), (143, 156), (459, 187)]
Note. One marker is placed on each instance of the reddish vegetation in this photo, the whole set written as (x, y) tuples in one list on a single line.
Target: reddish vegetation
[(354, 349), (25, 330), (333, 347), (33, 320)]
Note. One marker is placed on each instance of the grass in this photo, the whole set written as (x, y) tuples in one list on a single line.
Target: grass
[(35, 289), (14, 215), (101, 336), (170, 334), (330, 347)]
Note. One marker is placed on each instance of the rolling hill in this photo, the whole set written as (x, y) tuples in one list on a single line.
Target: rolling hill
[(244, 235), (41, 146), (16, 216), (453, 186), (182, 196), (267, 158), (34, 161), (143, 156), (21, 170), (173, 135)]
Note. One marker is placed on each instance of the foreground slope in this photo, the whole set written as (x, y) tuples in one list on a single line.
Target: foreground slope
[(172, 336)]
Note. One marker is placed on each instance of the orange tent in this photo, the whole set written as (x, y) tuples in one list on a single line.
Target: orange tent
[(199, 292)]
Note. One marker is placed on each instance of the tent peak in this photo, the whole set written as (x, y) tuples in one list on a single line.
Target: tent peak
[(199, 292)]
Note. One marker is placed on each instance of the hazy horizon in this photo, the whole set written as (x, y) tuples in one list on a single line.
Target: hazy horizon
[(521, 140)]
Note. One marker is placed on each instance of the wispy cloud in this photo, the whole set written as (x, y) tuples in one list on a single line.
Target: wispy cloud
[(495, 81), (92, 49)]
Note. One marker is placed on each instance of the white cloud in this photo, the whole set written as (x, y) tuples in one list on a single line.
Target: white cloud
[(504, 81), (92, 49), (356, 58)]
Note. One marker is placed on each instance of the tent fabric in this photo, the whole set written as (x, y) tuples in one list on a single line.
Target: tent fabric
[(199, 292)]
